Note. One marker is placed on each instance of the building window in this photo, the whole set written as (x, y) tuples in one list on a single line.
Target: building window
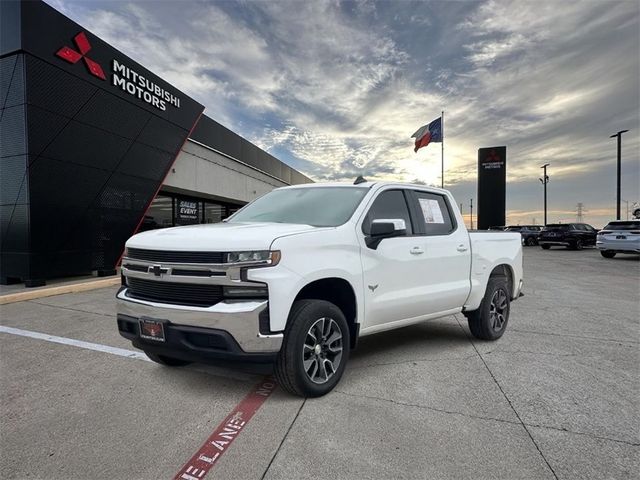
[(214, 212), (168, 210), (159, 215)]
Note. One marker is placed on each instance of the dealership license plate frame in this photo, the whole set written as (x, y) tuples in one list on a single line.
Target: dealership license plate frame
[(621, 237), (150, 325)]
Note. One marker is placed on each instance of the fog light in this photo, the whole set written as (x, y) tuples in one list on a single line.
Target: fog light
[(245, 292)]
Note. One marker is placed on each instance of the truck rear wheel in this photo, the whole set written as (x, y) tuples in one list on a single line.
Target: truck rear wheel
[(315, 349), (490, 320), (167, 361)]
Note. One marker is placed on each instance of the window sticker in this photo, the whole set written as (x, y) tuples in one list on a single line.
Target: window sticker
[(431, 210)]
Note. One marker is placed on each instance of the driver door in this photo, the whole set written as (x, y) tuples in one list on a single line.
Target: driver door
[(393, 273)]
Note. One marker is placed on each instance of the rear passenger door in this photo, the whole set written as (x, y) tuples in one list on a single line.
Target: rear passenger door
[(447, 252)]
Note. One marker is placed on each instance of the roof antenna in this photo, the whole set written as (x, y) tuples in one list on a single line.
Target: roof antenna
[(359, 180)]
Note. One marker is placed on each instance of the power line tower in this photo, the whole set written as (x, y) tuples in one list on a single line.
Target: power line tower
[(580, 211)]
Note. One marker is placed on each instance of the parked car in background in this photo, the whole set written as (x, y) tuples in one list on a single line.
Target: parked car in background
[(571, 235), (530, 233), (619, 236)]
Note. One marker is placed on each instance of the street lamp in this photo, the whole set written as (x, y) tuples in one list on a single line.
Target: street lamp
[(544, 180), (619, 136)]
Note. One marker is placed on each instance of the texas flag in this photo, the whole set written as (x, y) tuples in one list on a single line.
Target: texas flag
[(428, 133)]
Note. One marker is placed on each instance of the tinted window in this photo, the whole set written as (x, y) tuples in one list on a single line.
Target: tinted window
[(390, 204), (434, 213), (559, 226), (630, 225), (515, 229)]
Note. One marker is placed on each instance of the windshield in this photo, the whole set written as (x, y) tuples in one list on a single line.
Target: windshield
[(631, 225), (319, 206), (560, 226)]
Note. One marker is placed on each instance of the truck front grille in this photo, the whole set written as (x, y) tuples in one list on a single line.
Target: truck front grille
[(164, 256), (174, 293)]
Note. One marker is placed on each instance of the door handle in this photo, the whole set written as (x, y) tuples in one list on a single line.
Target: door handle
[(462, 248), (416, 251)]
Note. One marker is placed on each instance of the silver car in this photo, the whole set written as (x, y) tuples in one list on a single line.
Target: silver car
[(619, 236)]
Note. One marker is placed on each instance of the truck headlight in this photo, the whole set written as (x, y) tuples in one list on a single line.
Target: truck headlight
[(261, 257)]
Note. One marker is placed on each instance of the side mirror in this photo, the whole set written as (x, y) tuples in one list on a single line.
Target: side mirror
[(385, 228)]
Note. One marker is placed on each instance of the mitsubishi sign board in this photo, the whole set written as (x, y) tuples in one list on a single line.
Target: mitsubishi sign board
[(492, 177)]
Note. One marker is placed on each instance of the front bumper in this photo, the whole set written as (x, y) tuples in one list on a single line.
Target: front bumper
[(235, 323)]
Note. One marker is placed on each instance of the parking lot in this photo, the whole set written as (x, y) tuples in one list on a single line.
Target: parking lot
[(556, 397)]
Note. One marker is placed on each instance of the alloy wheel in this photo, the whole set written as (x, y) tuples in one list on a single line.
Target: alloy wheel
[(322, 350), (498, 309)]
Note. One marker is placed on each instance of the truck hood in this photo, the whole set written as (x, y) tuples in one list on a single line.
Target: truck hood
[(222, 237)]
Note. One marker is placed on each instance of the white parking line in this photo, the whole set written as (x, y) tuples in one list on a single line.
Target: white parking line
[(121, 352), (75, 343)]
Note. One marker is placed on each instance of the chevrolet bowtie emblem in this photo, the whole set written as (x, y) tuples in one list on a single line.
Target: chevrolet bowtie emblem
[(157, 270)]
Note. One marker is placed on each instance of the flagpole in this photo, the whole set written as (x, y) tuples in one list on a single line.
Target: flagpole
[(442, 145)]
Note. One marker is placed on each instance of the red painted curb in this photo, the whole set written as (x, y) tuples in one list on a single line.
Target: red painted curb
[(225, 433)]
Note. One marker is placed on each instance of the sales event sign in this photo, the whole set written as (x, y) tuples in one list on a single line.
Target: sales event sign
[(188, 211)]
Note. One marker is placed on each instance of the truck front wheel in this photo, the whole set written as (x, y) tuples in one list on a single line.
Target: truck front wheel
[(490, 320), (315, 349)]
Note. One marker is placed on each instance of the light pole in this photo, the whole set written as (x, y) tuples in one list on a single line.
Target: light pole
[(619, 135), (544, 180)]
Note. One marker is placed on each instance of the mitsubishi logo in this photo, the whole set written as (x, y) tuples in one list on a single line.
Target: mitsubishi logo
[(157, 270), (493, 157), (72, 56)]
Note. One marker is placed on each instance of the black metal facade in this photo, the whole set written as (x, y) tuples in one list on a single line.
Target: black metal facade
[(81, 158)]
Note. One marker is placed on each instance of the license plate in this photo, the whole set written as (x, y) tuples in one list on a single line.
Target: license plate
[(621, 237), (152, 329)]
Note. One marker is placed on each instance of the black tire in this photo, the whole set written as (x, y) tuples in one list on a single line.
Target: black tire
[(289, 368), (607, 253), (577, 244), (482, 323), (545, 247), (530, 242), (167, 361)]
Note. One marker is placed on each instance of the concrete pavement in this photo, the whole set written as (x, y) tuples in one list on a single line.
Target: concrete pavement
[(556, 397)]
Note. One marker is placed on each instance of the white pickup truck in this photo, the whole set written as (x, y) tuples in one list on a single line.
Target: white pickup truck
[(296, 276)]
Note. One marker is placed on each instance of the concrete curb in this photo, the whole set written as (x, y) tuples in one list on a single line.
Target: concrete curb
[(60, 290)]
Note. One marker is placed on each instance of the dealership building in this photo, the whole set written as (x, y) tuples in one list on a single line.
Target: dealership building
[(94, 147)]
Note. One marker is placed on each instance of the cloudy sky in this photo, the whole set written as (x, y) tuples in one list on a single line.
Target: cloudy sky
[(335, 89)]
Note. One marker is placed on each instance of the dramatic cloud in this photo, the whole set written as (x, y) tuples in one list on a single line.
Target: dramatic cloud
[(335, 89)]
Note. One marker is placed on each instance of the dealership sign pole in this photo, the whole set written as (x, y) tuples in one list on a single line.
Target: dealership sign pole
[(618, 170)]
